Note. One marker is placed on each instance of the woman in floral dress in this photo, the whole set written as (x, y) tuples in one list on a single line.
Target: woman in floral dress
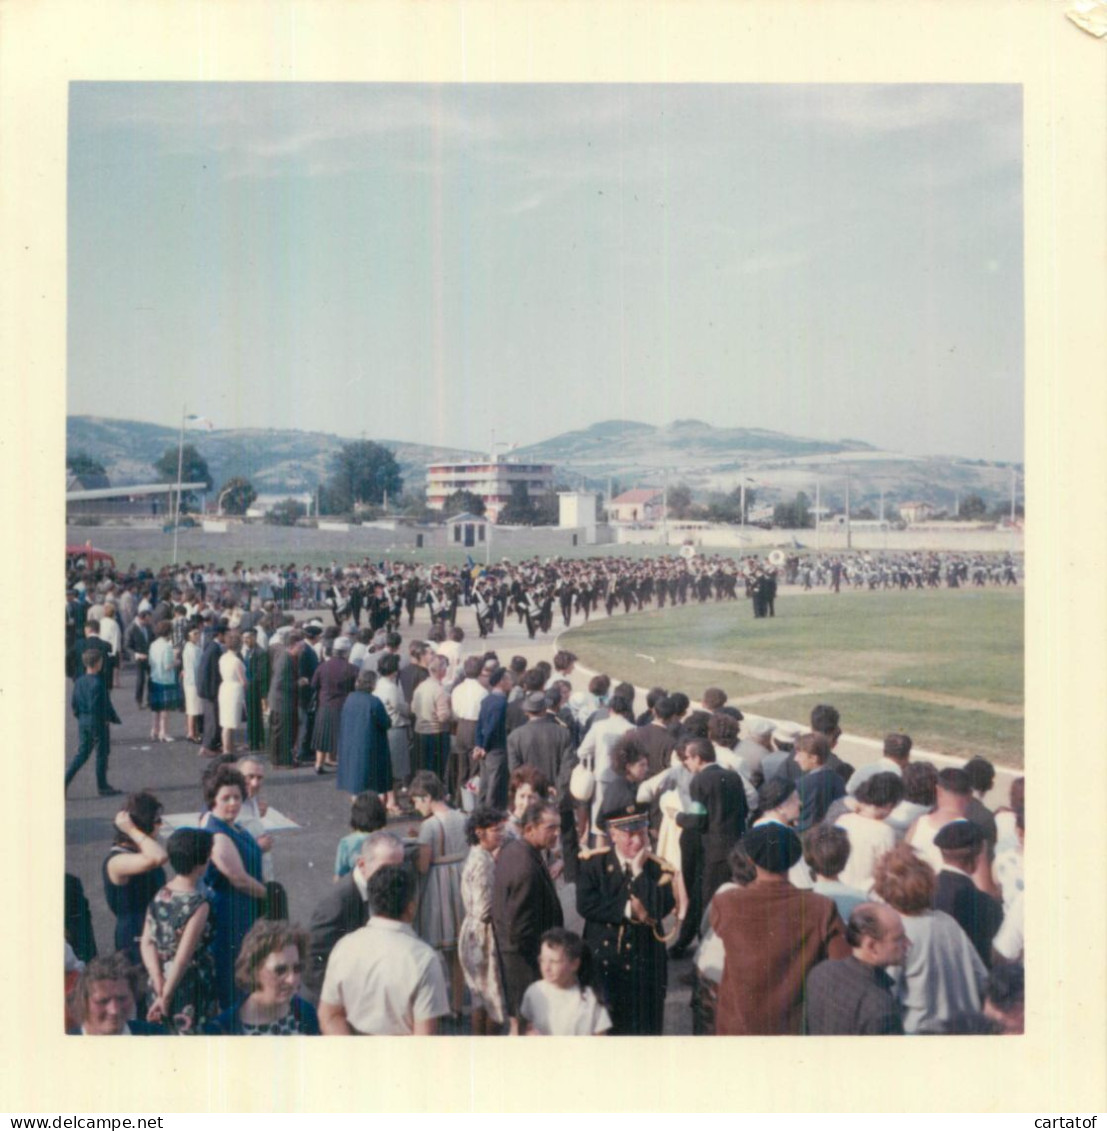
[(480, 960), (177, 938)]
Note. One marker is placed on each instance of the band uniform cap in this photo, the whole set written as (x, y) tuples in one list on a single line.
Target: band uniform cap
[(762, 727), (629, 818)]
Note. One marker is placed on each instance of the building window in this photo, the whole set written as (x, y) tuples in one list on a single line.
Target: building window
[(457, 531), (480, 532)]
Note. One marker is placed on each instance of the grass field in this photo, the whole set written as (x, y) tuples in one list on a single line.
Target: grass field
[(945, 666)]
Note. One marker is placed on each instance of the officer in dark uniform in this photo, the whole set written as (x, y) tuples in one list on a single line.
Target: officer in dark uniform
[(624, 894)]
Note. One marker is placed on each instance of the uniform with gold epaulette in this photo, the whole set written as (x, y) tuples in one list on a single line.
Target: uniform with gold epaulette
[(630, 957)]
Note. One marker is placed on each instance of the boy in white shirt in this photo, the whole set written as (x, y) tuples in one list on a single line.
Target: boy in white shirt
[(558, 1005)]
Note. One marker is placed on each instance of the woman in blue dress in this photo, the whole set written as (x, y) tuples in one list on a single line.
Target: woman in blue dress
[(364, 758), (234, 875)]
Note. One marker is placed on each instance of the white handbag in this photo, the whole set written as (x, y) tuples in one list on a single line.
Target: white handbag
[(582, 782)]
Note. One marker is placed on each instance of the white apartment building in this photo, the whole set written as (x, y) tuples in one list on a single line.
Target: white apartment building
[(490, 479)]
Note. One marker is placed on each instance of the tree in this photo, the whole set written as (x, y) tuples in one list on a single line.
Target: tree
[(463, 502), (728, 508), (972, 507), (678, 499), (519, 509), (194, 469), (364, 471), (83, 464), (412, 504), (236, 495), (547, 508), (286, 512), (794, 515)]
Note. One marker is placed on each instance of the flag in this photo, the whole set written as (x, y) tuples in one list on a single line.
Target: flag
[(195, 421)]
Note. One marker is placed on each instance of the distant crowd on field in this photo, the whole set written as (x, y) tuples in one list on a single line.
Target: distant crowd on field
[(572, 846), (543, 593), (917, 570)]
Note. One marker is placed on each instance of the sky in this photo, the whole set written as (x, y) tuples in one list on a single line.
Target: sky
[(439, 263)]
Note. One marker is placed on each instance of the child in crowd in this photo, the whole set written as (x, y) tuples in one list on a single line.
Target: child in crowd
[(367, 814), (176, 942), (561, 1004)]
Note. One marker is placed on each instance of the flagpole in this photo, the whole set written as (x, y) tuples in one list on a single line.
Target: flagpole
[(180, 466)]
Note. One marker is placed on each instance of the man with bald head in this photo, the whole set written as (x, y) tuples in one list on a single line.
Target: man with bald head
[(345, 908), (852, 997)]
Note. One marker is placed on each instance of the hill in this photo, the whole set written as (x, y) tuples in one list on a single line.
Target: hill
[(626, 453), (275, 460)]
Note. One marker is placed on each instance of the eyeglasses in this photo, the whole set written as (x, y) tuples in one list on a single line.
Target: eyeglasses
[(283, 968)]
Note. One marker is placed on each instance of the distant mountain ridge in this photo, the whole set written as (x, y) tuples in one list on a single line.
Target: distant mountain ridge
[(631, 453)]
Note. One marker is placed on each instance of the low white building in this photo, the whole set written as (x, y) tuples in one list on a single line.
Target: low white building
[(643, 504)]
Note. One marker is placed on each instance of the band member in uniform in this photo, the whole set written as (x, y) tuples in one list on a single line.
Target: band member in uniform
[(624, 894)]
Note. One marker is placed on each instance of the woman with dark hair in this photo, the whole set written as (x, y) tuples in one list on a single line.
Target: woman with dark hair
[(526, 784), (233, 875), (476, 944), (367, 815), (364, 761), (134, 869), (269, 969), (942, 974), (870, 836), (630, 766), (920, 794), (443, 847), (177, 939)]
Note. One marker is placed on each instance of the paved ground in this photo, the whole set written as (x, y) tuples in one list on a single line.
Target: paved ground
[(303, 859)]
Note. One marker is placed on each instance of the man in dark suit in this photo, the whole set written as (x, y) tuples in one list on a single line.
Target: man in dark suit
[(490, 740), (656, 736), (207, 688), (719, 812), (137, 641), (543, 742), (93, 640), (257, 688), (528, 682), (979, 914), (524, 902), (624, 893), (345, 908), (308, 661)]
